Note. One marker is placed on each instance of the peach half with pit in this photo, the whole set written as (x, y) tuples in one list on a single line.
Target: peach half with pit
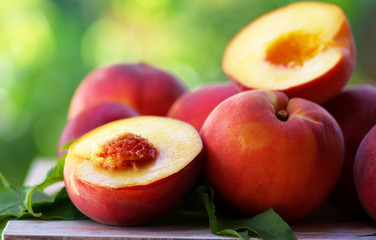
[(145, 88), (133, 171), (264, 151), (304, 49)]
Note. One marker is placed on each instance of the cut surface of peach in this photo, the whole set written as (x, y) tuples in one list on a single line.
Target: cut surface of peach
[(162, 147), (291, 46)]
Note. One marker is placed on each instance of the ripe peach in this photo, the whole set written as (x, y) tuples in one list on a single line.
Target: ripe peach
[(133, 171), (193, 107), (266, 151), (355, 111), (148, 90), (305, 49), (91, 118), (365, 172)]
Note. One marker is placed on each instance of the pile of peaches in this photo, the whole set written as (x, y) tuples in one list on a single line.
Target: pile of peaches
[(285, 132)]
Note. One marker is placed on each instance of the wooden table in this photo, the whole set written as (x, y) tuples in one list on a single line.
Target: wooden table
[(324, 224)]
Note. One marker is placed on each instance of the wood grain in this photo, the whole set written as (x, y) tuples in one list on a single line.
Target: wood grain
[(87, 229)]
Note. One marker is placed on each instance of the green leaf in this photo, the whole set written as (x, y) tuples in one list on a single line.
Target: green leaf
[(267, 225), (67, 145), (367, 235), (32, 202), (54, 175), (58, 207), (3, 180), (11, 203)]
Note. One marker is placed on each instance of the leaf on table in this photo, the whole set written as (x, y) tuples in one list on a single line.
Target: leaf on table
[(11, 202), (267, 225), (367, 235), (32, 202), (54, 175), (60, 207), (4, 182)]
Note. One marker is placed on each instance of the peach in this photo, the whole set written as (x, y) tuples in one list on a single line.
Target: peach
[(305, 49), (148, 90), (266, 151), (365, 172), (133, 171), (91, 118), (193, 107), (355, 111)]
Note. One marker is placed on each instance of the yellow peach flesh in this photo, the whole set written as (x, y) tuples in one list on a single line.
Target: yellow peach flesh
[(286, 48), (167, 135), (294, 48)]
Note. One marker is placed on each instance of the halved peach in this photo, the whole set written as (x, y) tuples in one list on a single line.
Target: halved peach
[(304, 49), (133, 171)]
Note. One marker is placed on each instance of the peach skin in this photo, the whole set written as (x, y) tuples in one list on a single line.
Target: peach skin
[(193, 107), (266, 151), (354, 108), (365, 173), (146, 89)]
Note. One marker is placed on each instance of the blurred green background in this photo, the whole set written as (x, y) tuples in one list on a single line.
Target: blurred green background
[(47, 47)]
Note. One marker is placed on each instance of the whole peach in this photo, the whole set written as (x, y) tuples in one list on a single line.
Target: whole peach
[(193, 107), (266, 151), (365, 172), (147, 89), (355, 111), (91, 118)]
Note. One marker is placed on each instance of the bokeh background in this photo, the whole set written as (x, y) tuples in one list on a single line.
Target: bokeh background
[(48, 46)]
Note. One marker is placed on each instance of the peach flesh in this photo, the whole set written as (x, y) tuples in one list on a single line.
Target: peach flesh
[(292, 50), (285, 154), (145, 190)]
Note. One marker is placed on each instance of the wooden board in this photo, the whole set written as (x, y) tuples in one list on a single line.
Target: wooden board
[(323, 224), (87, 229)]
